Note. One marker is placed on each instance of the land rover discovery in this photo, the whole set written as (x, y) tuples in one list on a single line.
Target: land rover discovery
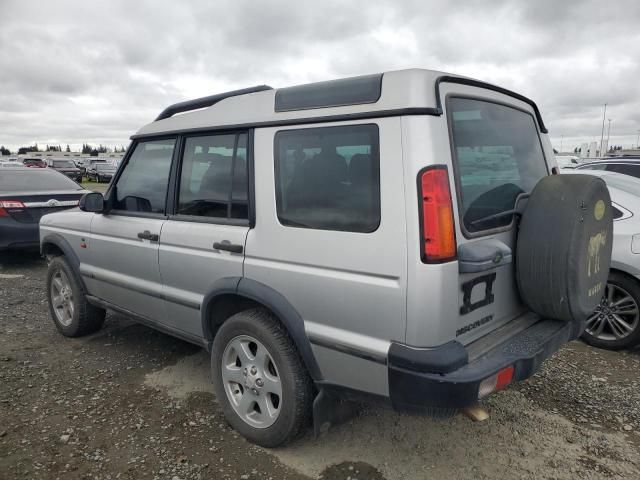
[(399, 236)]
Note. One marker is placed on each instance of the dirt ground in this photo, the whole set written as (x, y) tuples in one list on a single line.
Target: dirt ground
[(131, 403)]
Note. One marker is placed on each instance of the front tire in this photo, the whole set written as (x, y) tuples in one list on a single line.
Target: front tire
[(615, 324), (259, 379), (72, 315)]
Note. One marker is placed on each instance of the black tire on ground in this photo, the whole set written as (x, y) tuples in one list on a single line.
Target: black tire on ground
[(564, 245), (86, 318), (632, 287), (297, 387)]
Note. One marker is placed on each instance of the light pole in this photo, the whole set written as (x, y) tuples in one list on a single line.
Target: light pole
[(561, 139), (608, 134), (638, 140), (604, 114)]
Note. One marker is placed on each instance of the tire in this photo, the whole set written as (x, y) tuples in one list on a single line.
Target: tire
[(257, 331), (604, 329), (81, 318), (563, 248)]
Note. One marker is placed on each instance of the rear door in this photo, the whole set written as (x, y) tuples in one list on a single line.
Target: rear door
[(494, 154), (203, 240), (122, 267), (497, 157)]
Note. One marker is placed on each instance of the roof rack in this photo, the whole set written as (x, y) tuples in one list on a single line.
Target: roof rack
[(203, 102)]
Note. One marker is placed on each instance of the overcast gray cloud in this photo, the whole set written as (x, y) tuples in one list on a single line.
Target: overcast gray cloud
[(95, 71)]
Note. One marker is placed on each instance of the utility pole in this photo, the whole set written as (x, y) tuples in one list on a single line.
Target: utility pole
[(608, 133), (604, 114)]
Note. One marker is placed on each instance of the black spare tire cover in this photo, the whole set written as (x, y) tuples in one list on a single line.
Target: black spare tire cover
[(564, 246)]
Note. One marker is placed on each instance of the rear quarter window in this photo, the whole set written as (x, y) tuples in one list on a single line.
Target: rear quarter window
[(497, 157), (328, 178), (31, 180)]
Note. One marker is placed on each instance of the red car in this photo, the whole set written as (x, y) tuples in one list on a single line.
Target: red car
[(34, 163)]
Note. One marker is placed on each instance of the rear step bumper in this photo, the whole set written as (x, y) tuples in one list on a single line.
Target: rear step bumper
[(414, 387)]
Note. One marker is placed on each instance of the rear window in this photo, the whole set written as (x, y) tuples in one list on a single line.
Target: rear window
[(63, 164), (33, 161), (498, 156), (30, 180)]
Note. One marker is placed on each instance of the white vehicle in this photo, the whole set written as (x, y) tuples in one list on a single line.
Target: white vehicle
[(12, 164), (567, 161), (615, 324)]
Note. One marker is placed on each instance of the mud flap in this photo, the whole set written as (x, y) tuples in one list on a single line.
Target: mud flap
[(330, 410)]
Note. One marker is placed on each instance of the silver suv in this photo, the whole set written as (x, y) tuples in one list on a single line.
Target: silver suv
[(395, 236)]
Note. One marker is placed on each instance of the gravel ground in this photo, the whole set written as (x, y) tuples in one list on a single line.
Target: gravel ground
[(129, 403)]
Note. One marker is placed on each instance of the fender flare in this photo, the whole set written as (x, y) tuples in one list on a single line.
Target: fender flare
[(270, 298), (62, 243)]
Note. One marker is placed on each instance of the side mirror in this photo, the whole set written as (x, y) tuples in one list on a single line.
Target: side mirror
[(92, 202)]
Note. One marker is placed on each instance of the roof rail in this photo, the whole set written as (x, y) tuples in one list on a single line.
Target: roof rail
[(203, 102)]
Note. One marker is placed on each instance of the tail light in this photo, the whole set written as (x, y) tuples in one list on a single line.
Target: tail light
[(437, 229), (4, 204)]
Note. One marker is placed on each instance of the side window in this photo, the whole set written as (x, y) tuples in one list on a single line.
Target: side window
[(328, 178), (596, 166), (142, 186), (631, 170), (213, 179), (617, 213)]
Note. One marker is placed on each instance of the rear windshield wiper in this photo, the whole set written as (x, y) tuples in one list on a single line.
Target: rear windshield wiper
[(495, 216), (514, 211)]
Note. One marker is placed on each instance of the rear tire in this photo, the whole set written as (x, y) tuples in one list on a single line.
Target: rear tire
[(72, 315), (259, 379), (616, 323)]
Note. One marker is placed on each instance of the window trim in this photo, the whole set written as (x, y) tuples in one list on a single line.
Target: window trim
[(111, 191), (456, 170), (276, 172), (177, 175)]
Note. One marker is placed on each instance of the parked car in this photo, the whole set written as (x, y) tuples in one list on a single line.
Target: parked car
[(66, 167), (90, 164), (347, 238), (615, 324), (34, 163), (13, 164), (26, 194), (624, 165), (101, 172)]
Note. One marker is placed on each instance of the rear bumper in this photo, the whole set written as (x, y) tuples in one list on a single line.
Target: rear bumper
[(415, 387), (16, 235), (74, 176)]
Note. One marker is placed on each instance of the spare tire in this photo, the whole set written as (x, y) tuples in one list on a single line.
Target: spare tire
[(563, 249)]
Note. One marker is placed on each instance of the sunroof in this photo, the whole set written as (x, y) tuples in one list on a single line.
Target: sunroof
[(334, 93)]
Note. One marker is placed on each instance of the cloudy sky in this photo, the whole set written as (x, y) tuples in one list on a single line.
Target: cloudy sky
[(96, 71)]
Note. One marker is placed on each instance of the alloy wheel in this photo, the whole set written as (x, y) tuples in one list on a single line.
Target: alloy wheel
[(616, 317), (62, 298), (251, 381)]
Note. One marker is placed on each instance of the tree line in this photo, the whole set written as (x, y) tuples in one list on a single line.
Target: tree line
[(86, 149)]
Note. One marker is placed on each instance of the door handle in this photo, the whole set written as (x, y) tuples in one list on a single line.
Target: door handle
[(228, 246), (147, 235)]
